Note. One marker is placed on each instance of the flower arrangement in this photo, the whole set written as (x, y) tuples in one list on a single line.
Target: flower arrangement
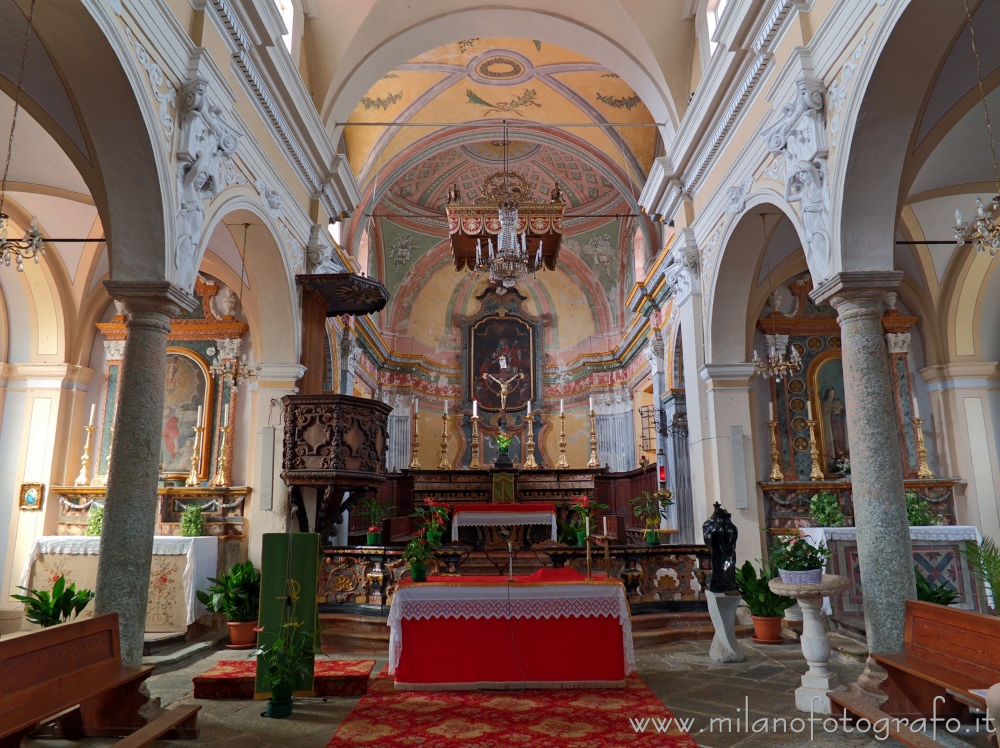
[(919, 512), (434, 515), (583, 508), (503, 441), (843, 465), (824, 508), (796, 553), (418, 551), (651, 506)]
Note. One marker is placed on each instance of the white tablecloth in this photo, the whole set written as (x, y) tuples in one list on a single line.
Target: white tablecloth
[(510, 600), (504, 519), (202, 560)]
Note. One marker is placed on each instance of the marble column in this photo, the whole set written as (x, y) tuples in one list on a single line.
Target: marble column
[(885, 554), (130, 511)]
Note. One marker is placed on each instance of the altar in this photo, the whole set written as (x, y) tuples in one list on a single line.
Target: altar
[(503, 515), (552, 629)]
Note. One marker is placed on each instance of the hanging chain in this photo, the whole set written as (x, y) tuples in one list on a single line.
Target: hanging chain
[(982, 94), (17, 104)]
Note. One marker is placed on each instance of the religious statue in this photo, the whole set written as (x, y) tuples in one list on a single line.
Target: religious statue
[(504, 386), (720, 535)]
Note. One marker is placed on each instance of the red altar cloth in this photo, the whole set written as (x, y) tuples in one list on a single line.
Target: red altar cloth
[(527, 648)]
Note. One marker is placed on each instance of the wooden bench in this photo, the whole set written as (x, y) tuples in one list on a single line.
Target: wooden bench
[(72, 674)]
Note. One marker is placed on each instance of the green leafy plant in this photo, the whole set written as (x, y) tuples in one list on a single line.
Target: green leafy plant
[(757, 595), (434, 515), (651, 506), (191, 521), (503, 441), (824, 508), (284, 656), (49, 608), (95, 521), (235, 594), (930, 592), (583, 507), (796, 553), (372, 508), (418, 550), (919, 512), (984, 560)]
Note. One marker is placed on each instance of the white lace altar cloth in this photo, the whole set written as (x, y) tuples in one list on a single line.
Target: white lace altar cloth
[(508, 600), (504, 519)]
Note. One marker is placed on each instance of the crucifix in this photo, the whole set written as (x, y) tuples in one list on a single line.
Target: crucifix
[(504, 387)]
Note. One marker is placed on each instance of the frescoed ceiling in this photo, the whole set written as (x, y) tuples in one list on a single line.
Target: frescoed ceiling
[(437, 121)]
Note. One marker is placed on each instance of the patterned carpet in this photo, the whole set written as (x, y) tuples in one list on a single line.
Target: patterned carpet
[(234, 679), (387, 718)]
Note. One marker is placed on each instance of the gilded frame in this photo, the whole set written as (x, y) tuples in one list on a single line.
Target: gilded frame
[(826, 373), (180, 410), (32, 497)]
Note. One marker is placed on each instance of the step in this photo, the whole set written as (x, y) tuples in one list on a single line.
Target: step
[(183, 651), (667, 634), (645, 621), (853, 705)]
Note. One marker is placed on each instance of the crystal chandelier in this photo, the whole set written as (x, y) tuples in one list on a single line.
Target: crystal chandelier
[(983, 232), (236, 372), (527, 233), (28, 247), (777, 365)]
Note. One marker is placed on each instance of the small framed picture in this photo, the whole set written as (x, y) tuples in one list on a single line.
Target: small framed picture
[(32, 495)]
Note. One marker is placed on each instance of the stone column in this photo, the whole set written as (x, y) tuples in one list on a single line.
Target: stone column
[(130, 511), (885, 554)]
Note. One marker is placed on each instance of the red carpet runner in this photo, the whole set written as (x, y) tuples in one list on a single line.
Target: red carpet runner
[(233, 679), (387, 718)]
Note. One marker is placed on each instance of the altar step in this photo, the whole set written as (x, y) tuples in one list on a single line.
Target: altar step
[(650, 629)]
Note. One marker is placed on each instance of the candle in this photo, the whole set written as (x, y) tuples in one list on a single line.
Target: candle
[(225, 417), (93, 410), (560, 406), (529, 407), (916, 410), (445, 408), (416, 407), (475, 409), (809, 410), (605, 518), (586, 526), (198, 419), (591, 403), (771, 407)]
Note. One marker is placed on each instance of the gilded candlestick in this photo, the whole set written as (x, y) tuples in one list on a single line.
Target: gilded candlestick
[(83, 477), (529, 463), (475, 464), (776, 472), (816, 472), (444, 464), (923, 469), (221, 479), (194, 477), (590, 572), (563, 462), (415, 461), (593, 462)]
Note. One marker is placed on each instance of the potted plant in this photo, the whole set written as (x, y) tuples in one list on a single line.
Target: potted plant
[(503, 448), (48, 609), (824, 508), (919, 512), (417, 554), (191, 521), (375, 513), (798, 561), (984, 560), (283, 659), (650, 508), (433, 518), (236, 595), (767, 608), (95, 521), (932, 592), (586, 512)]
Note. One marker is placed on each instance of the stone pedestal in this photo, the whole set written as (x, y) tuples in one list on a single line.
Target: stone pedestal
[(818, 680), (722, 608)]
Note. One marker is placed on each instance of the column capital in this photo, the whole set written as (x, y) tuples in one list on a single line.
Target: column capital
[(857, 286), (726, 376), (961, 375), (161, 297)]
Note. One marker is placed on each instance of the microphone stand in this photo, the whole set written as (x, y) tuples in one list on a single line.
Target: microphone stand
[(510, 561)]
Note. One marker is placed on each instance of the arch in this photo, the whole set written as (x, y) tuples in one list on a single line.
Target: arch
[(271, 305), (378, 50), (881, 116)]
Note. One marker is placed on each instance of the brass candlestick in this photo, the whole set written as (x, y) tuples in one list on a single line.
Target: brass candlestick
[(530, 464), (415, 461), (221, 479), (563, 462), (194, 478), (605, 540), (475, 464), (103, 480), (816, 472), (444, 464), (923, 469), (593, 462), (776, 473), (590, 573), (84, 476)]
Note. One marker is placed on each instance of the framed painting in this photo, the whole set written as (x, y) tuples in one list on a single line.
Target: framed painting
[(188, 387), (32, 496), (502, 349), (826, 393)]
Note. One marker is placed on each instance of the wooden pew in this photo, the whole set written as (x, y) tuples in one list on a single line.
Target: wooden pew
[(74, 670)]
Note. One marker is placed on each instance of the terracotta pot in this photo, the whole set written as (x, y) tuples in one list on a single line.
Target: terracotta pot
[(767, 629), (242, 635)]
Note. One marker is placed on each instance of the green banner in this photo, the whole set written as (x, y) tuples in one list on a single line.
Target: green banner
[(289, 579)]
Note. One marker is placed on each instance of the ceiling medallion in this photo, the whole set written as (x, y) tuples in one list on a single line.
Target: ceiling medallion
[(500, 68)]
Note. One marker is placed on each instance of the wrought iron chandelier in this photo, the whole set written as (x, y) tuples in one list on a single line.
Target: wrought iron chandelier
[(983, 232), (527, 232), (237, 372)]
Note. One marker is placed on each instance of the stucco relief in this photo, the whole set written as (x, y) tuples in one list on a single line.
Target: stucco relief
[(736, 197), (798, 135), (163, 90), (319, 253)]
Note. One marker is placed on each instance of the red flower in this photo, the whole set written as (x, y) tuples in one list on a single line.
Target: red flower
[(584, 501), (163, 580), (373, 528), (258, 629)]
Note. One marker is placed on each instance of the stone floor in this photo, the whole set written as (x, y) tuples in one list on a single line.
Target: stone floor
[(681, 674)]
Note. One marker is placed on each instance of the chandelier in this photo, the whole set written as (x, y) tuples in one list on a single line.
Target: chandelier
[(777, 364), (236, 372), (983, 232), (28, 247), (505, 231)]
